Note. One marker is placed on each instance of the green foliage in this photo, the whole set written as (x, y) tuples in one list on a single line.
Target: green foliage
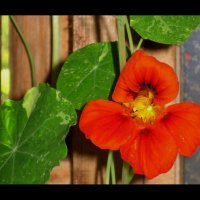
[(5, 77), (89, 73), (5, 41), (32, 135), (165, 29)]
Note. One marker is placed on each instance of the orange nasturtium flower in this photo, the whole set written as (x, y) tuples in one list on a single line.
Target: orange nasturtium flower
[(148, 134)]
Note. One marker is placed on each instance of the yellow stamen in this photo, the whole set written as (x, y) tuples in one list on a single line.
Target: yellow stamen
[(143, 108)]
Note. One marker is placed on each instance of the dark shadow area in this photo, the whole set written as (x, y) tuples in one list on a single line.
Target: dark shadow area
[(118, 165), (68, 142), (97, 28), (71, 34), (147, 44), (101, 164), (115, 56), (78, 144), (52, 79)]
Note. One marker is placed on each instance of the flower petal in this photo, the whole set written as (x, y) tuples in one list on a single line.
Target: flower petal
[(107, 124), (183, 122), (143, 70), (152, 152)]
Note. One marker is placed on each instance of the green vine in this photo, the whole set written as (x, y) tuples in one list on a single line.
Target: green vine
[(28, 51), (130, 39), (110, 169), (55, 49)]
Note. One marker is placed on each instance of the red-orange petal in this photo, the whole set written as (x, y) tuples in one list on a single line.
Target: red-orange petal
[(152, 152), (107, 124), (144, 70), (183, 123)]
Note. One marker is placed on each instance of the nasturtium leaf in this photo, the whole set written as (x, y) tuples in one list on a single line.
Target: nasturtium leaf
[(165, 29), (32, 135), (89, 73)]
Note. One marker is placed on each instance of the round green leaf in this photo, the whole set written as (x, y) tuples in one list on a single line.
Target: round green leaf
[(32, 135), (89, 73), (165, 29)]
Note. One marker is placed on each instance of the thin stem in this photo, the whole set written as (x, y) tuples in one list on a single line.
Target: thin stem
[(55, 49), (108, 167), (121, 22), (121, 41), (139, 44), (127, 173), (28, 51), (113, 171), (122, 60), (130, 39)]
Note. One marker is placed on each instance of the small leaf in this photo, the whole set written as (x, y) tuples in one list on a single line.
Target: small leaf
[(32, 135), (165, 29), (89, 73)]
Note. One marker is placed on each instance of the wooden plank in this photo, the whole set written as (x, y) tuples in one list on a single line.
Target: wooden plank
[(66, 28), (37, 32), (87, 158)]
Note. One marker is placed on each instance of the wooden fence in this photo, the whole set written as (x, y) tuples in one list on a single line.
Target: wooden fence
[(85, 163)]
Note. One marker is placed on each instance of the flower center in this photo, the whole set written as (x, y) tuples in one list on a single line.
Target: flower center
[(142, 108)]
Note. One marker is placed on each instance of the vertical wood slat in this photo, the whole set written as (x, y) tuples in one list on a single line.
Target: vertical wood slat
[(37, 32), (88, 159)]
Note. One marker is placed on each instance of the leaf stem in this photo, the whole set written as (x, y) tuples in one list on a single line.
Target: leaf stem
[(55, 48), (28, 51), (122, 21), (113, 177), (121, 41), (127, 173), (108, 168), (139, 44), (130, 39)]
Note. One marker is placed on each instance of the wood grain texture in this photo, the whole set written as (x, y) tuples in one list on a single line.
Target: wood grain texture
[(65, 29), (60, 174), (36, 29), (88, 160)]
